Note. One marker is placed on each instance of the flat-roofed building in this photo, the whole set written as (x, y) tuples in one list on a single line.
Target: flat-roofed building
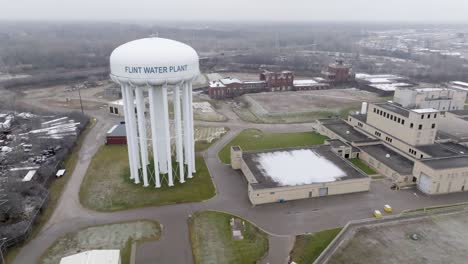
[(441, 175), (297, 173), (442, 99), (337, 72), (455, 125)]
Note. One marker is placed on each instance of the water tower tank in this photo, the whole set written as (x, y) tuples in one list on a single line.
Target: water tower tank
[(152, 66)]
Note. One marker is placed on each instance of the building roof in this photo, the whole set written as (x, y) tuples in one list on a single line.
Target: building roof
[(230, 80), (392, 159), (337, 143), (425, 110), (216, 84), (111, 256), (296, 161), (345, 131), (447, 162), (117, 131), (460, 112), (394, 108), (304, 82), (443, 150), (360, 117)]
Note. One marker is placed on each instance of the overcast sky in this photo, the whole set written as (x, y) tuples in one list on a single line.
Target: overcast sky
[(236, 10)]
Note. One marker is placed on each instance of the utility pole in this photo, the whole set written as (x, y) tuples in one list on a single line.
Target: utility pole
[(81, 102)]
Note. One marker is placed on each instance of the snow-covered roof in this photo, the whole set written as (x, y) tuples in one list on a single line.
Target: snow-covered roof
[(230, 80), (298, 167), (111, 256), (216, 84), (425, 110), (430, 89), (304, 82), (464, 84), (389, 86)]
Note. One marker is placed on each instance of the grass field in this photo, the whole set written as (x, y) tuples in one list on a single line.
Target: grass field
[(55, 191), (364, 167), (212, 242), (113, 236), (308, 247), (252, 139), (108, 178)]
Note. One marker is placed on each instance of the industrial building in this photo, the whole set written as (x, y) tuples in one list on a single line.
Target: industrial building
[(383, 84), (281, 175), (227, 88), (117, 135), (402, 144), (454, 125), (442, 99), (338, 73)]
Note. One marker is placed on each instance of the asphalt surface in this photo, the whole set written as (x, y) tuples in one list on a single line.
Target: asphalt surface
[(281, 221)]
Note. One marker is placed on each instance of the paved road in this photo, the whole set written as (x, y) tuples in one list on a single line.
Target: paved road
[(281, 221)]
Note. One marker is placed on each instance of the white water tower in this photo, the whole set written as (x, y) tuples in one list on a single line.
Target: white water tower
[(153, 66)]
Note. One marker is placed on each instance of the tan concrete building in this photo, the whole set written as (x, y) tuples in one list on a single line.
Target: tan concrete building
[(401, 144), (331, 174), (442, 99), (442, 175)]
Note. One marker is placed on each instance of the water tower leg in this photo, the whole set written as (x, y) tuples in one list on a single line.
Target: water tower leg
[(159, 122), (168, 136), (142, 133), (192, 127), (178, 132), (153, 121), (128, 134), (186, 109), (134, 135)]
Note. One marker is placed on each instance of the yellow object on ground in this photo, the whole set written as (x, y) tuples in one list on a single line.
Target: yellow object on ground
[(387, 208), (377, 214)]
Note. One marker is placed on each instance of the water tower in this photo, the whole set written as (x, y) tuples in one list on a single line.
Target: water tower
[(152, 67)]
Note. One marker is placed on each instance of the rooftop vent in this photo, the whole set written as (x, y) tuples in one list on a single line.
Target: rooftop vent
[(387, 156)]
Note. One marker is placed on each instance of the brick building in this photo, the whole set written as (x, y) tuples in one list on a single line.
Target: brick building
[(278, 81), (232, 87), (337, 72)]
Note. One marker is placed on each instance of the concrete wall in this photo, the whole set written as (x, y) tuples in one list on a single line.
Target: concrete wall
[(406, 129), (444, 180), (395, 143), (273, 195), (388, 172), (442, 100), (236, 157)]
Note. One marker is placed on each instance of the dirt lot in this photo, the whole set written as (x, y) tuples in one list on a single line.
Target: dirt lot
[(442, 239), (299, 107), (329, 100)]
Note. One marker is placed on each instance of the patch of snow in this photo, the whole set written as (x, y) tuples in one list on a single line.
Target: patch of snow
[(298, 167)]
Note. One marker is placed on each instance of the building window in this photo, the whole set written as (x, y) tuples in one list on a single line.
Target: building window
[(422, 156), (422, 116), (420, 127), (435, 115), (402, 121), (433, 126), (411, 125), (116, 111), (399, 120), (111, 109), (428, 116)]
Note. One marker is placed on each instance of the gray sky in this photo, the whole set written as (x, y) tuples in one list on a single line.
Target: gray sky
[(284, 10)]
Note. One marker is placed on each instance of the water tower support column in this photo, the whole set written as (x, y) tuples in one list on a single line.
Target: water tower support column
[(192, 131), (131, 159), (152, 96), (141, 120), (186, 109), (178, 132), (133, 133)]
